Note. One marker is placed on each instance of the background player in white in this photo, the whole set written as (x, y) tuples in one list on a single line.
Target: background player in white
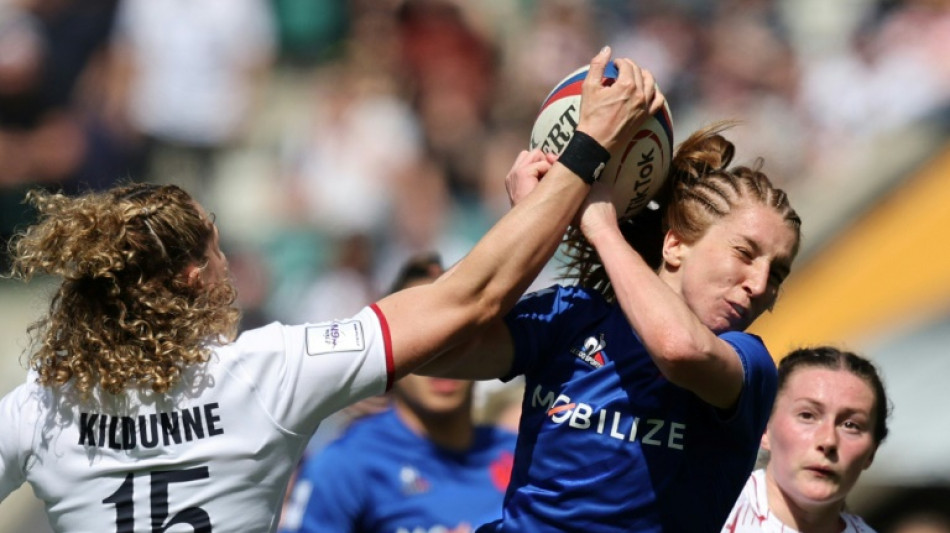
[(140, 412), (829, 418)]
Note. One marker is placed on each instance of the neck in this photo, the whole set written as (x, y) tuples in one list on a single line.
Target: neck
[(817, 518), (454, 430)]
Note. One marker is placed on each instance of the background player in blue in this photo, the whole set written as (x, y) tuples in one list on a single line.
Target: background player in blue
[(644, 401), (422, 466), (141, 409)]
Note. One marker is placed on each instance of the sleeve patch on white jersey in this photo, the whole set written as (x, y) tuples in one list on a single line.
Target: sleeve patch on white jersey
[(346, 336)]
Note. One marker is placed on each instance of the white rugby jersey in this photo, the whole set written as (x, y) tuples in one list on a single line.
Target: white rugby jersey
[(213, 455), (751, 514)]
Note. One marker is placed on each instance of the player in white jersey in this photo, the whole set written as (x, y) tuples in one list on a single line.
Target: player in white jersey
[(141, 413), (829, 418)]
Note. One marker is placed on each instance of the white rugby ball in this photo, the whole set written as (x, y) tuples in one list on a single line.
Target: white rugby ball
[(638, 166)]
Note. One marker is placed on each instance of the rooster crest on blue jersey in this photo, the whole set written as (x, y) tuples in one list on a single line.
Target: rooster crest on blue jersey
[(592, 352), (412, 481)]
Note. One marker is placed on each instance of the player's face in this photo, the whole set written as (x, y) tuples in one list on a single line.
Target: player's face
[(434, 397), (733, 272), (820, 435)]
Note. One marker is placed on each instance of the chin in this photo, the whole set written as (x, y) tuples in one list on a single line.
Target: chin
[(448, 406), (820, 493), (719, 326)]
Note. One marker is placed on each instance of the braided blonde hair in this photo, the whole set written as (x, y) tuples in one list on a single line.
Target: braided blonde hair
[(699, 190)]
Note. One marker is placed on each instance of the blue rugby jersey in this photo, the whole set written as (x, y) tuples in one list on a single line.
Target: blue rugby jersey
[(605, 442), (379, 476)]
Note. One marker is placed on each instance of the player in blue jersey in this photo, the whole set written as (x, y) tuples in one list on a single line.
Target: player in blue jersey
[(422, 466), (141, 410), (645, 400)]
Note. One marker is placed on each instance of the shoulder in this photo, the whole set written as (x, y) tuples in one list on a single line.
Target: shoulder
[(23, 412), (746, 343), (17, 405), (560, 299), (377, 431), (364, 443), (298, 340), (26, 400), (754, 494), (751, 509), (330, 335), (855, 524), (752, 352), (496, 437), (258, 341)]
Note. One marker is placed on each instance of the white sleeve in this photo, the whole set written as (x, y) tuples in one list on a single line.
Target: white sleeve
[(302, 374), (12, 454)]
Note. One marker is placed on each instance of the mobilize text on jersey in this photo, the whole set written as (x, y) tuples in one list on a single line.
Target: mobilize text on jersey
[(126, 432), (614, 424)]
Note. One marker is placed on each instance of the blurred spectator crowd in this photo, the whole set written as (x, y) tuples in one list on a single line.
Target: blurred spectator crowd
[(335, 138)]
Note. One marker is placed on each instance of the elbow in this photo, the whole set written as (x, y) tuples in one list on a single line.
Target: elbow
[(677, 355), (478, 307), (486, 309), (480, 302)]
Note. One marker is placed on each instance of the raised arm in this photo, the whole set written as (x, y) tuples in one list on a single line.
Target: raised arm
[(425, 321), (519, 249), (687, 352)]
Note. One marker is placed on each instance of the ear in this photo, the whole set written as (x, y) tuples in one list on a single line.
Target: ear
[(764, 443), (192, 274), (673, 249)]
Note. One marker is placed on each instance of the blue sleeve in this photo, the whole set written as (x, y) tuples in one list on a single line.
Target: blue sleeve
[(759, 384), (329, 495), (538, 324)]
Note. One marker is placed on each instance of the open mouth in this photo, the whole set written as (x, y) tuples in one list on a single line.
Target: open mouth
[(821, 471)]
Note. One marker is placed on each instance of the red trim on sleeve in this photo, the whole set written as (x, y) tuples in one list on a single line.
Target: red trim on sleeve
[(388, 343)]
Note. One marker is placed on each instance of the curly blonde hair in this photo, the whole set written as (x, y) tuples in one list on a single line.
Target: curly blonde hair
[(700, 189), (124, 315)]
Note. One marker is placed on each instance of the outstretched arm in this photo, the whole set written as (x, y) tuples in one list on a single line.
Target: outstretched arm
[(514, 251)]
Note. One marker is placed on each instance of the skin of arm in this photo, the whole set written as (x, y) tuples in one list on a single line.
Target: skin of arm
[(425, 320), (607, 114), (687, 352)]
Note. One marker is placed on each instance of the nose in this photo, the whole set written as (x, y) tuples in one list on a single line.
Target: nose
[(826, 438), (757, 279)]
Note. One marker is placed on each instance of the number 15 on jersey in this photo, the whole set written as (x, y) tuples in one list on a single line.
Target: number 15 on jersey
[(160, 482)]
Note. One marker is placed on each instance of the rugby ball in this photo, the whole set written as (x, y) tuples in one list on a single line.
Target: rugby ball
[(638, 165)]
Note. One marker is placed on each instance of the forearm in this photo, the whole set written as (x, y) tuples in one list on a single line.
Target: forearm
[(687, 352), (504, 263), (428, 320), (661, 318)]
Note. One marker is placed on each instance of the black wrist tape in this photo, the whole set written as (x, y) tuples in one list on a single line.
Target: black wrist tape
[(585, 157)]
